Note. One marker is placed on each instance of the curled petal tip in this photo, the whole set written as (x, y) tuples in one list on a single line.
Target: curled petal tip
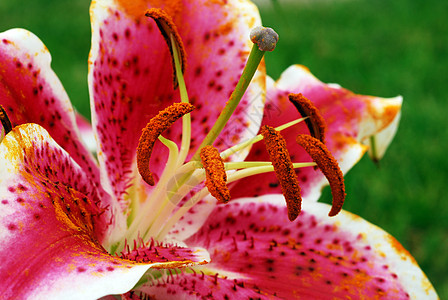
[(266, 38)]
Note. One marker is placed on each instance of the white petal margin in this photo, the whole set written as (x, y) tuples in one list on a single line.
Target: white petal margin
[(76, 286)]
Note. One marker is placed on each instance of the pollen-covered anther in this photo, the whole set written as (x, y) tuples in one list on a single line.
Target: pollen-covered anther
[(266, 38), (284, 170), (215, 173), (329, 167), (314, 120), (151, 132), (6, 123), (167, 27)]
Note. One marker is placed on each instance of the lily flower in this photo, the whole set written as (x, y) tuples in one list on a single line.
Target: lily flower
[(205, 218)]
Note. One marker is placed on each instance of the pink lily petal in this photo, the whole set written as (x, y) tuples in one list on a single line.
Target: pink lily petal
[(30, 92), (316, 257), (130, 76), (351, 120), (49, 219)]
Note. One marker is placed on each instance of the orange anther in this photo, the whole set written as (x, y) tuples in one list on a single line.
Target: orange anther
[(151, 132), (167, 28), (315, 121), (284, 170), (215, 173), (329, 167)]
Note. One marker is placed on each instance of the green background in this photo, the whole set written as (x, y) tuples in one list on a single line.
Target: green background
[(377, 47)]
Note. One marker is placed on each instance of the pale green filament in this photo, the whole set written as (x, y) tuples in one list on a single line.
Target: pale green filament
[(186, 119), (265, 167), (150, 206), (172, 199), (232, 150)]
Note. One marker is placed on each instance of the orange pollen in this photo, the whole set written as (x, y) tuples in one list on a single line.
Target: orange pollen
[(315, 121), (167, 28), (6, 123), (151, 132), (215, 173), (284, 170), (329, 167)]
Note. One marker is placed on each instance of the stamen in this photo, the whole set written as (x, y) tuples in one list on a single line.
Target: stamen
[(284, 170), (315, 121), (151, 132), (266, 38), (215, 174), (168, 29), (329, 167), (6, 123)]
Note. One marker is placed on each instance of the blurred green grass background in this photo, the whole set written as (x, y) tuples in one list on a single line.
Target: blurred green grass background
[(377, 47)]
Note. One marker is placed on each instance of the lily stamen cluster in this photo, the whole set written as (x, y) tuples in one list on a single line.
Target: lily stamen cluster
[(207, 164)]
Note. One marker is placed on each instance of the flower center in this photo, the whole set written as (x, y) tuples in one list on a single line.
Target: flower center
[(184, 183)]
